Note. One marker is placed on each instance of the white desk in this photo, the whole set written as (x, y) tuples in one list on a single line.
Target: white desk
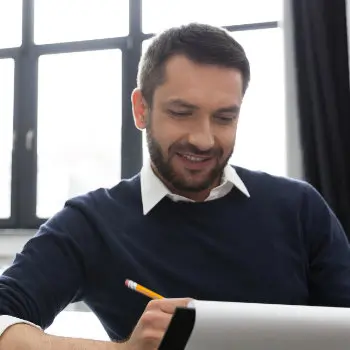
[(78, 324)]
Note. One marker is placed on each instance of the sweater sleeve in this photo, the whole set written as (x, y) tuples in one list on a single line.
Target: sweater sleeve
[(328, 252), (50, 271)]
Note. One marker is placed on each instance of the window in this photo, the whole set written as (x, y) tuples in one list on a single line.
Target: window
[(218, 12), (10, 23), (79, 126), (261, 136), (83, 20), (65, 94), (6, 141)]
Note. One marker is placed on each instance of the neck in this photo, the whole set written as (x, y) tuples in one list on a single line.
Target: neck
[(199, 196)]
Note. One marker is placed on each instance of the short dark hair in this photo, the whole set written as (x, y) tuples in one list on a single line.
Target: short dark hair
[(201, 43)]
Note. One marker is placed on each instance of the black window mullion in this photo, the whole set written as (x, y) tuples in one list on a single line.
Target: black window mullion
[(26, 78), (9, 52), (252, 26), (131, 157), (80, 46)]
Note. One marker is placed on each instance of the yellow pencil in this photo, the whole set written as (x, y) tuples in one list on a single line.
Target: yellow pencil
[(143, 290)]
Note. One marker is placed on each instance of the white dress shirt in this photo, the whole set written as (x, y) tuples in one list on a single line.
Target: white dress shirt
[(153, 189), (152, 192)]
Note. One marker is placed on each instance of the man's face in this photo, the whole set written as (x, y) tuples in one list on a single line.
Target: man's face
[(191, 128)]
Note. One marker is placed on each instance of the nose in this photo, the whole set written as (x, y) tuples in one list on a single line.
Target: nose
[(201, 135)]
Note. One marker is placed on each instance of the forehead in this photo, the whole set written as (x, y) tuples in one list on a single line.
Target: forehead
[(200, 83)]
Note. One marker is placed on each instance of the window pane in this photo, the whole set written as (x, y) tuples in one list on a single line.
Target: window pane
[(73, 20), (10, 23), (145, 153), (79, 126), (219, 12), (6, 132), (261, 138)]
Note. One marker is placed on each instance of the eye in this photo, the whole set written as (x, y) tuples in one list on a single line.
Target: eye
[(226, 119), (179, 114)]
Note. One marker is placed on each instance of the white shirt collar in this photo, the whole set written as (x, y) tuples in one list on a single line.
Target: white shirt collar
[(153, 189)]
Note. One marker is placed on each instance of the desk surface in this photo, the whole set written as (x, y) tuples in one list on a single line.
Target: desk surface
[(78, 324)]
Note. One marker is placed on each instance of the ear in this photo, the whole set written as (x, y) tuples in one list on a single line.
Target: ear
[(139, 109)]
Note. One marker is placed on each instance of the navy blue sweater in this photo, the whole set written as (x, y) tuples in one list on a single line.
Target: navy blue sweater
[(282, 245)]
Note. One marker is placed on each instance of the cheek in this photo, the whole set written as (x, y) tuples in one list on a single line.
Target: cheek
[(226, 139), (165, 137), (168, 132)]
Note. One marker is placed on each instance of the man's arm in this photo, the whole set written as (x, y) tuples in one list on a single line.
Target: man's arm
[(49, 273), (328, 251), (26, 337), (52, 271), (147, 334)]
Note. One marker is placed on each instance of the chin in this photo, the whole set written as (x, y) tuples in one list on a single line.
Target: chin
[(191, 185)]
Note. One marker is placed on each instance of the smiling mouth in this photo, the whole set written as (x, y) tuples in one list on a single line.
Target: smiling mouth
[(195, 159)]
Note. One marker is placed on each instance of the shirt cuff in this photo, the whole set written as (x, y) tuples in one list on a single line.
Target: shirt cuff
[(7, 321)]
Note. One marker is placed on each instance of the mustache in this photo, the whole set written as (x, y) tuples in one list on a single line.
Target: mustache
[(189, 148)]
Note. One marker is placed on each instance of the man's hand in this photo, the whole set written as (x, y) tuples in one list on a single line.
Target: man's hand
[(147, 334), (153, 323)]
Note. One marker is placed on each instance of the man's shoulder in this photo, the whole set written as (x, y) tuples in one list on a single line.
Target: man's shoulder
[(259, 177), (260, 182), (124, 194), (100, 212)]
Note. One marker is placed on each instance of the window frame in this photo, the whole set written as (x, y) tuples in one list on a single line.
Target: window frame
[(24, 161)]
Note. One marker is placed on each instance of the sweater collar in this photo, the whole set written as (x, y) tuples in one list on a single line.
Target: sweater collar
[(153, 189)]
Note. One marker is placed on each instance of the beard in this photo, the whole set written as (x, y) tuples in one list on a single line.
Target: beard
[(179, 182)]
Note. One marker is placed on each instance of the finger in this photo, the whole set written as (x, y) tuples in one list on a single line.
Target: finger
[(155, 320), (168, 305), (151, 339)]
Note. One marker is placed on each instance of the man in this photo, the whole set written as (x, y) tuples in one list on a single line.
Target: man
[(188, 225)]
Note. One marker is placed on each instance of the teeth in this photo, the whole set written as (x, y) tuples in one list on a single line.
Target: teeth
[(193, 159)]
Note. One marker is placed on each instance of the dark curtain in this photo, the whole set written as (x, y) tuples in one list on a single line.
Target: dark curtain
[(321, 54)]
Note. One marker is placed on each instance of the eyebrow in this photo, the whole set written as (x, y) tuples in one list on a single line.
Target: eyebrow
[(183, 104), (230, 109)]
